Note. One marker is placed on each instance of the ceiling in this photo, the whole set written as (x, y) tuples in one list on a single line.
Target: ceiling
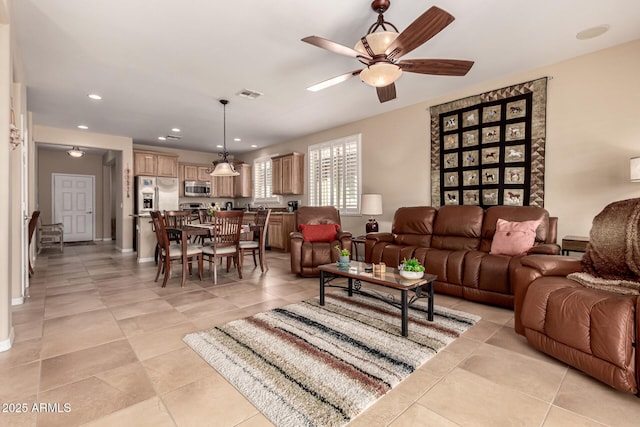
[(160, 64)]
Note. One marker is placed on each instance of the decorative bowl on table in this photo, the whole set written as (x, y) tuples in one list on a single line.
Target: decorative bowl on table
[(411, 274)]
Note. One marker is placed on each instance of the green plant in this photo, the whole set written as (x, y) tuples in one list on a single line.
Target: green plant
[(411, 265), (342, 252)]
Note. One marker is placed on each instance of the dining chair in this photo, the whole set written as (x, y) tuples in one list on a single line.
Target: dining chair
[(258, 242), (225, 241), (172, 252), (32, 228), (176, 220), (204, 218)]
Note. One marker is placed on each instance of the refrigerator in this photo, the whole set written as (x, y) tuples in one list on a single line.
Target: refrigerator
[(155, 194)]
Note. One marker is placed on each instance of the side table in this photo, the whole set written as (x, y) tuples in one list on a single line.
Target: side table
[(574, 243), (357, 241)]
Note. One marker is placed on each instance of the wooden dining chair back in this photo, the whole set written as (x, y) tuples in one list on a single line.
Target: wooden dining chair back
[(33, 222), (259, 241), (171, 252), (225, 241), (176, 220), (204, 218)]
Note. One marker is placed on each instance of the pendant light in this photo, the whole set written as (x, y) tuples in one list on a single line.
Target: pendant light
[(223, 167), (75, 152)]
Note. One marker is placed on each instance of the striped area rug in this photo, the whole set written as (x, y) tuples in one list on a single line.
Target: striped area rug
[(311, 365)]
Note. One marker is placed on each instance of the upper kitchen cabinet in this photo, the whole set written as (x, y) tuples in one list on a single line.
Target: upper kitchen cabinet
[(196, 172), (288, 174), (148, 163)]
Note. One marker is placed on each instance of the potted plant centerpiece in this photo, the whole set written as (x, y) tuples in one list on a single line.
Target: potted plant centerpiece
[(344, 256), (411, 269)]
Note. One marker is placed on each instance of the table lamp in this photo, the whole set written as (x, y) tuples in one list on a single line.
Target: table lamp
[(371, 204), (634, 169)]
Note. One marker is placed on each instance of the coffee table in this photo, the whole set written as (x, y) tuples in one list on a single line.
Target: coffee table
[(355, 273)]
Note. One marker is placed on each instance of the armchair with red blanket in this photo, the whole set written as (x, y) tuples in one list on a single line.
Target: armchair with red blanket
[(314, 243)]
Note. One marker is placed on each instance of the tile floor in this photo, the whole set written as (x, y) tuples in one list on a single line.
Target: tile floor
[(101, 337)]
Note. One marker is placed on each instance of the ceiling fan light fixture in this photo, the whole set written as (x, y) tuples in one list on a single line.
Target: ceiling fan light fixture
[(378, 41), (380, 74), (75, 152)]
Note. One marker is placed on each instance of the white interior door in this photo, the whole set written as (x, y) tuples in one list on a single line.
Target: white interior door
[(73, 205)]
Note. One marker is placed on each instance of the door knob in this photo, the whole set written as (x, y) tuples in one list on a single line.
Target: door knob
[(89, 212)]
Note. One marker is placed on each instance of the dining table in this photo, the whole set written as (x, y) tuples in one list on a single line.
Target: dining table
[(206, 229)]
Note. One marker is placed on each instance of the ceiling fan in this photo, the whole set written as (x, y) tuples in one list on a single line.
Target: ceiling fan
[(380, 51)]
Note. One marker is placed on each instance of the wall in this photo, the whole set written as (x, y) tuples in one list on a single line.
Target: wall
[(593, 129), (6, 328), (57, 161), (121, 157)]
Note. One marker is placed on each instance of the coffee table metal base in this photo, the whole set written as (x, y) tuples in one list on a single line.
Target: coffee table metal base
[(355, 285)]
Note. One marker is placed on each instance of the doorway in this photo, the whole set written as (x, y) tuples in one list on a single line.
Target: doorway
[(74, 205)]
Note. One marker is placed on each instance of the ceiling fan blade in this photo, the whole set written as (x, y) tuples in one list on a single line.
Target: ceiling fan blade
[(333, 81), (386, 93), (439, 67), (422, 29), (333, 47)]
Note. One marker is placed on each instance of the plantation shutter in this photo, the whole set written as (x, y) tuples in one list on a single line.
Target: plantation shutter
[(334, 174), (262, 186)]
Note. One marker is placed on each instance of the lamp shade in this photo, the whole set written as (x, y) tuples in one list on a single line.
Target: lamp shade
[(224, 169), (634, 169), (371, 204), (75, 152), (381, 74)]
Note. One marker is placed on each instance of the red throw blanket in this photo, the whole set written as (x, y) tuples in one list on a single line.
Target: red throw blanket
[(613, 251)]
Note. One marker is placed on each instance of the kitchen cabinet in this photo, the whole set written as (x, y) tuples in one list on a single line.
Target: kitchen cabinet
[(148, 163), (243, 182), (222, 186), (287, 174), (196, 172), (280, 225)]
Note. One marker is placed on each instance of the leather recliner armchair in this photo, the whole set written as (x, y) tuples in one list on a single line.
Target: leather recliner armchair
[(307, 255), (592, 329)]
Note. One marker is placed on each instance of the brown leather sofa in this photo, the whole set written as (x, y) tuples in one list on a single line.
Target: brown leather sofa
[(453, 242), (306, 256), (592, 330)]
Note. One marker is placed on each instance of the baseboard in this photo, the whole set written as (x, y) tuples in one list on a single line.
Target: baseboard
[(17, 301), (8, 343), (143, 260)]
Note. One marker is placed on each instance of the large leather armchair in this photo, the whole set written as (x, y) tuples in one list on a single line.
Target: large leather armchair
[(594, 330), (306, 255)]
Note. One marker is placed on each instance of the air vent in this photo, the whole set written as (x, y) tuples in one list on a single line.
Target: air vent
[(251, 94), (174, 137)]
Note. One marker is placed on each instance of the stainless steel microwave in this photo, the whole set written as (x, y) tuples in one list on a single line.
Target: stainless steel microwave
[(197, 188)]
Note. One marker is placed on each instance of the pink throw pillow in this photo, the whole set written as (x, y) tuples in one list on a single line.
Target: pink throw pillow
[(513, 238), (318, 232)]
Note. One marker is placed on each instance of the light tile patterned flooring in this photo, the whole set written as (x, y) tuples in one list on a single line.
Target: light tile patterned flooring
[(98, 334)]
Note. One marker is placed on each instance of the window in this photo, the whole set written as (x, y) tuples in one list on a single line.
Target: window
[(262, 181), (334, 174)]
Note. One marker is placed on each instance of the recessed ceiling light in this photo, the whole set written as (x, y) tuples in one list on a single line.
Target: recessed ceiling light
[(237, 139), (83, 127), (592, 32), (254, 146), (175, 130), (218, 146), (162, 138), (95, 96)]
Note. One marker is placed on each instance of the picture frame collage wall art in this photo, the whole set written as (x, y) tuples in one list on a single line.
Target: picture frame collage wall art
[(488, 149)]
